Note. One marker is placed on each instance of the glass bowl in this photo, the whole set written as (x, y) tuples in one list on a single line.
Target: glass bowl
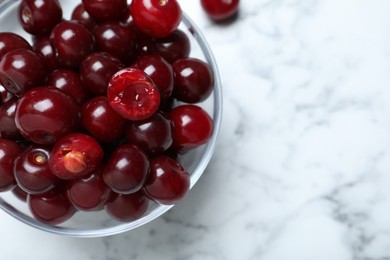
[(97, 224)]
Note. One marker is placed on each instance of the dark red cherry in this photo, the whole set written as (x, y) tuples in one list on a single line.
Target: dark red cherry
[(192, 127), (21, 70), (72, 43), (42, 46), (175, 46), (52, 207), (132, 94), (105, 9), (219, 10), (193, 80), (168, 182), (81, 15), (126, 169), (20, 194), (101, 121), (38, 17), (74, 156), (159, 71), (89, 193), (45, 114), (153, 135), (117, 39), (96, 71), (4, 95), (11, 41), (8, 127), (9, 150), (127, 207), (32, 172), (68, 81), (156, 18)]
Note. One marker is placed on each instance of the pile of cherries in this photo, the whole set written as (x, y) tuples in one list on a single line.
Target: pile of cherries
[(96, 112)]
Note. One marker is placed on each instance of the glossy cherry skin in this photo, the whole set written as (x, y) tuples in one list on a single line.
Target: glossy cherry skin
[(220, 10), (127, 207), (193, 80), (105, 9), (45, 114), (72, 43), (69, 82), (32, 171), (132, 94), (101, 121), (8, 127), (168, 182), (89, 193), (11, 41), (126, 169), (21, 70), (160, 71), (156, 18), (42, 46), (117, 39), (81, 15), (52, 207), (9, 150), (153, 135), (75, 156), (192, 127), (175, 46), (96, 71), (38, 17)]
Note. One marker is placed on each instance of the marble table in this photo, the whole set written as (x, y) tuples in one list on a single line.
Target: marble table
[(302, 167)]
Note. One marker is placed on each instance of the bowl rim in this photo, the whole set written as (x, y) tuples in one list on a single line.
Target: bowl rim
[(161, 209)]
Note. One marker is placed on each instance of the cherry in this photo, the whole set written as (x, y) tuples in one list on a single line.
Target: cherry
[(42, 46), (193, 80), (75, 156), (45, 114), (8, 127), (127, 207), (81, 15), (172, 47), (132, 94), (153, 135), (105, 9), (156, 18), (21, 70), (220, 10), (126, 169), (4, 95), (9, 150), (168, 182), (159, 71), (11, 41), (101, 121), (72, 43), (32, 172), (96, 71), (38, 17), (69, 82), (192, 127), (52, 207), (117, 39), (89, 193), (20, 194)]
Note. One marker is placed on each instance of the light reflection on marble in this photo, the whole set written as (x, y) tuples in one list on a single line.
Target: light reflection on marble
[(302, 167)]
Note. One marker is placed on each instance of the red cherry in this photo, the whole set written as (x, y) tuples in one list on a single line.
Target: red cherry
[(156, 18), (126, 169), (42, 46), (168, 182), (81, 15), (192, 127), (220, 10), (9, 150), (175, 46), (8, 127), (127, 207), (11, 41), (20, 194), (132, 94), (105, 9), (75, 156)]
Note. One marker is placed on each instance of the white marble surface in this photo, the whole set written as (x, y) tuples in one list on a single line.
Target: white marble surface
[(302, 167)]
